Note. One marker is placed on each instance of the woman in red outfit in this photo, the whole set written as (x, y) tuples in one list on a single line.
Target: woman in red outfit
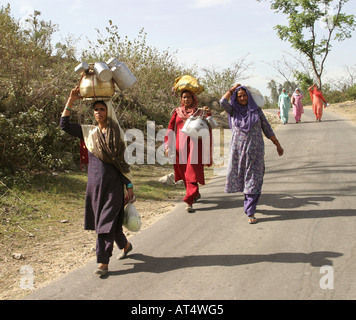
[(189, 152)]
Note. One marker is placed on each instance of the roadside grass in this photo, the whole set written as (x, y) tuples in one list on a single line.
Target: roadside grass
[(41, 222), (39, 206)]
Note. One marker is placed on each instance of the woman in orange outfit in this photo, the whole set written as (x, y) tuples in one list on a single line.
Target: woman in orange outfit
[(318, 101)]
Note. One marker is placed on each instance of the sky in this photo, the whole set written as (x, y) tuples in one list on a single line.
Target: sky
[(201, 33)]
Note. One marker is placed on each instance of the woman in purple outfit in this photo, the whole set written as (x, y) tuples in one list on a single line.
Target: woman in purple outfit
[(246, 162), (108, 174)]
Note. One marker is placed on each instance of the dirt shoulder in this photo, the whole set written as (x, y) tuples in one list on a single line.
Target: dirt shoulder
[(346, 109)]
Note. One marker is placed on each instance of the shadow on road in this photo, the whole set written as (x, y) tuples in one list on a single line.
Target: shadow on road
[(286, 201), (307, 214), (164, 264)]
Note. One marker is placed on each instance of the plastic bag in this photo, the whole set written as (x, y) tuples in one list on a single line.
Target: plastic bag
[(187, 83), (257, 96), (132, 219)]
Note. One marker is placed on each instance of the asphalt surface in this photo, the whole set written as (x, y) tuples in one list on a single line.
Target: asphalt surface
[(303, 246)]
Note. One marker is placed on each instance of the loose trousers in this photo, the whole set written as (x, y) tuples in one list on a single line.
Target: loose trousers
[(192, 191), (250, 203), (105, 241)]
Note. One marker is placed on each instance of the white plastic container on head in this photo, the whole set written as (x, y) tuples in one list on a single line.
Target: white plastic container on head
[(257, 96)]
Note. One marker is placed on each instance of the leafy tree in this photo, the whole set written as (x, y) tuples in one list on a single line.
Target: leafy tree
[(272, 86), (31, 96), (40, 32), (301, 31), (305, 82)]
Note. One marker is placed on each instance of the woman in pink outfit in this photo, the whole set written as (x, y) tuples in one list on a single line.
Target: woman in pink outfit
[(297, 103), (318, 101)]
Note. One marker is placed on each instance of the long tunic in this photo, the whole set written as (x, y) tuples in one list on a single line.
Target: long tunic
[(298, 106), (246, 165), (318, 104), (185, 169), (104, 201), (284, 106)]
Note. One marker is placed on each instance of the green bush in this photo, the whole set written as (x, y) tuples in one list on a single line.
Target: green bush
[(351, 93)]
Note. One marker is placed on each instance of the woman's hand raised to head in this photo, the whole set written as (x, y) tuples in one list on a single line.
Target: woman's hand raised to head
[(75, 94)]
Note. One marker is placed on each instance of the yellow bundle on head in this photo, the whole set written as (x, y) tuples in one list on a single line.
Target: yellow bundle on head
[(187, 83)]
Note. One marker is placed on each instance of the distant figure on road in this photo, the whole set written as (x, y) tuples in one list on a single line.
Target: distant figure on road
[(284, 105), (246, 165), (318, 101), (297, 102), (191, 172), (108, 174)]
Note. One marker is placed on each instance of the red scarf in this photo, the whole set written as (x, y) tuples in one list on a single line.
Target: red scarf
[(317, 93), (185, 113)]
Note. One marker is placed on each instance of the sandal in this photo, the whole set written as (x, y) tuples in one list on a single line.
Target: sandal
[(101, 271), (189, 208), (252, 220), (125, 252)]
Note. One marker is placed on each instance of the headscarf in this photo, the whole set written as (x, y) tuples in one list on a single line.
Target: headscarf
[(184, 113), (243, 117), (317, 93), (296, 93), (284, 94), (109, 148)]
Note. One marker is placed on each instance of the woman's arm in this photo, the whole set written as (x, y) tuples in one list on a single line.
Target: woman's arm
[(226, 105), (130, 195), (73, 96), (277, 144), (73, 129), (224, 101), (230, 92), (268, 132)]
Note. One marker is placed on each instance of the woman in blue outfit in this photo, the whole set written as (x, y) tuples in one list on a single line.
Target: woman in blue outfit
[(284, 104)]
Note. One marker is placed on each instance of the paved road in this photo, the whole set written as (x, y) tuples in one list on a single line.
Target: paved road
[(303, 247)]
